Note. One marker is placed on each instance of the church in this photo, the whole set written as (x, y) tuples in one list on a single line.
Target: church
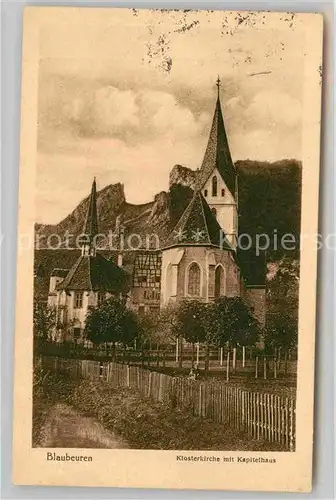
[(199, 259)]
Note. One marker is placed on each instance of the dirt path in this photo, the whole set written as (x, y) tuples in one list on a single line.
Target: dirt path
[(66, 428)]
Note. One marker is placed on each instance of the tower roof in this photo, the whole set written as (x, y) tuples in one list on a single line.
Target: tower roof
[(90, 228), (95, 273), (217, 153), (198, 226)]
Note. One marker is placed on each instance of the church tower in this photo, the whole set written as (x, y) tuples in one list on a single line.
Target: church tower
[(88, 283), (217, 179), (90, 229)]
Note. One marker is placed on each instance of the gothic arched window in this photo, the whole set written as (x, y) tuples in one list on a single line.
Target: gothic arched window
[(214, 211), (214, 186), (194, 280), (219, 281)]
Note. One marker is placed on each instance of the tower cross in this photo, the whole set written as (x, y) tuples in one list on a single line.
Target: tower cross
[(218, 84)]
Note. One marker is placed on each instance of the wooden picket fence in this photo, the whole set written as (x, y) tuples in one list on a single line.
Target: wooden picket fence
[(263, 416)]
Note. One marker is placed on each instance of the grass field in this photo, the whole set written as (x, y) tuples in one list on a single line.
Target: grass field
[(140, 422)]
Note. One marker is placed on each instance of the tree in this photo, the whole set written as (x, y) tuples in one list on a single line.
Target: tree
[(111, 322), (190, 321), (44, 320), (168, 324), (283, 304), (281, 331), (148, 328), (230, 319)]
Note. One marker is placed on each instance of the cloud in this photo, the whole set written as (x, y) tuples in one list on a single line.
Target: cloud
[(115, 113), (274, 107), (265, 144), (115, 108), (164, 115)]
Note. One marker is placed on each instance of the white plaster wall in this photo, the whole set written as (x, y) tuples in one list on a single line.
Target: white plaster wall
[(226, 206)]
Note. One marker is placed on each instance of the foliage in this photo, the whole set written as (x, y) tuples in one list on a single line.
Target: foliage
[(281, 331), (146, 424), (283, 304), (111, 322), (274, 192), (148, 328), (168, 324), (229, 319), (44, 320), (190, 316)]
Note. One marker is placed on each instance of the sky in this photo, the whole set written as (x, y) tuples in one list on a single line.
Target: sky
[(125, 95)]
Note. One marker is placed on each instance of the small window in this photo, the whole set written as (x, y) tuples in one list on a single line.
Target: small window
[(214, 186), (78, 300), (214, 211), (101, 298), (223, 192), (205, 193)]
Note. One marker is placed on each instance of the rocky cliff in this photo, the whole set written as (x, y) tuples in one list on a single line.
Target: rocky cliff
[(183, 176), (269, 202)]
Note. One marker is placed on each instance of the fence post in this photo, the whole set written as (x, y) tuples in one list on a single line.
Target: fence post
[(200, 400), (227, 365), (149, 383), (291, 426), (265, 368), (243, 356), (234, 357), (197, 353), (128, 382), (256, 367), (177, 351), (275, 367), (221, 356)]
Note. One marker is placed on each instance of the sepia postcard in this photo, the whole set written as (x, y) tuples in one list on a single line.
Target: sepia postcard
[(167, 249)]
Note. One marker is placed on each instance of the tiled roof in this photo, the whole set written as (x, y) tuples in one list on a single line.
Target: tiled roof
[(95, 273), (217, 154), (198, 226)]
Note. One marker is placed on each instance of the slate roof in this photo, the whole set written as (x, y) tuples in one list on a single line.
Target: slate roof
[(95, 273), (217, 154), (198, 226)]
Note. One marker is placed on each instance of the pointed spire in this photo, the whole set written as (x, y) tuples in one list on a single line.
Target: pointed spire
[(217, 153), (90, 229), (218, 83)]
